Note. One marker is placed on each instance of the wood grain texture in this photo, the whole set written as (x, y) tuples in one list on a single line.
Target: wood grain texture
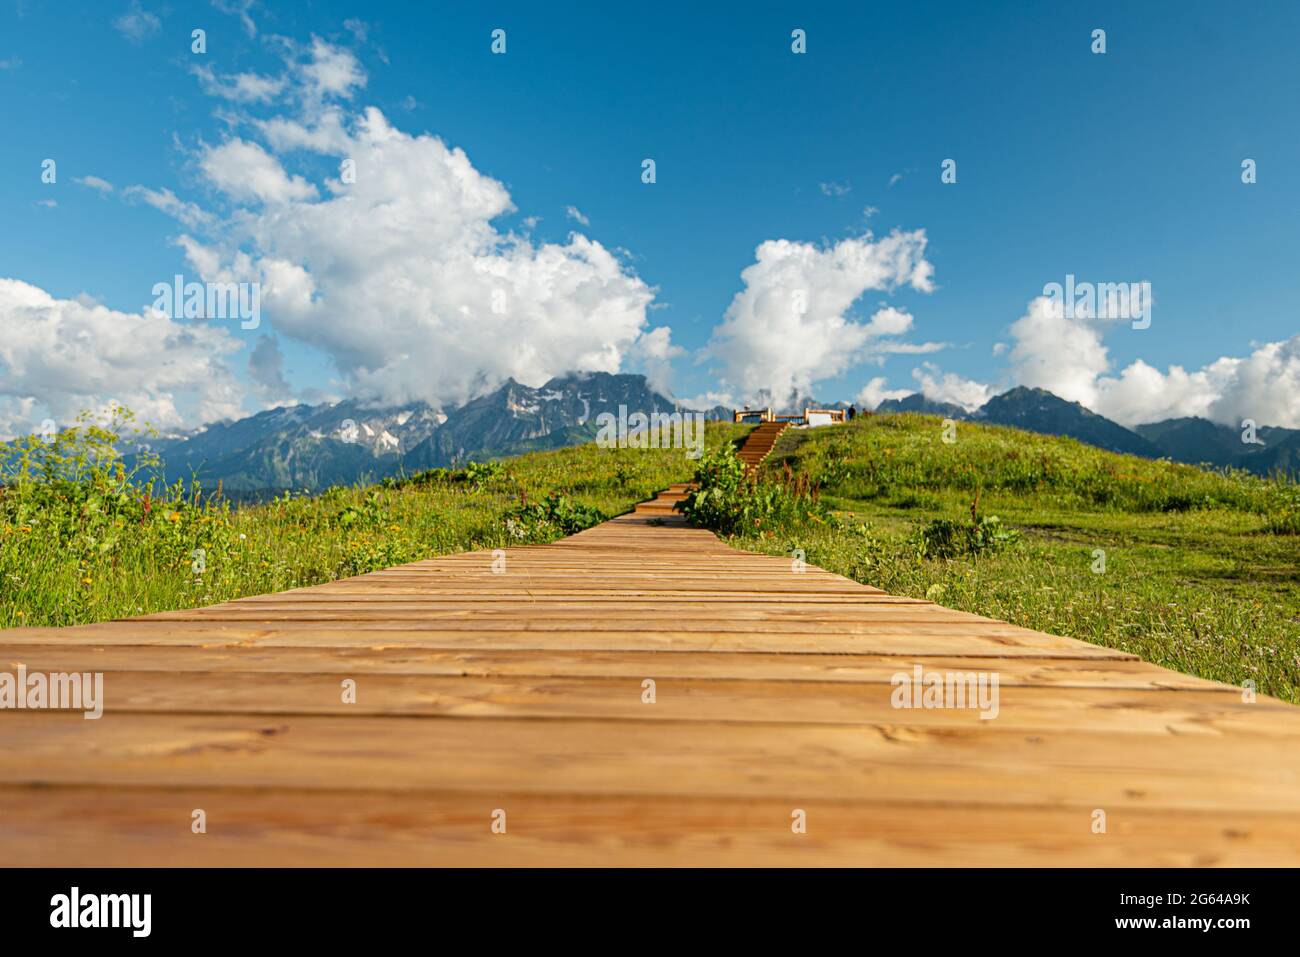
[(524, 692)]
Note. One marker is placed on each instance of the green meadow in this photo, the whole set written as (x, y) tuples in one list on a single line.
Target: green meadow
[(1193, 570), (87, 535)]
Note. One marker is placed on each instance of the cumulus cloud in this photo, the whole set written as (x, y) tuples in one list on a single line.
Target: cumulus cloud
[(245, 171), (1063, 355), (330, 71), (1068, 356), (877, 391), (950, 387), (1263, 386), (400, 273), (59, 357), (789, 326)]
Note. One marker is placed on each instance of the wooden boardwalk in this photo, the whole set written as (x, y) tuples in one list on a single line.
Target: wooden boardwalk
[(522, 697)]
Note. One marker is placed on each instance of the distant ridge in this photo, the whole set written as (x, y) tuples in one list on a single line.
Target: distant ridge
[(1038, 410), (310, 447), (1192, 440), (916, 402)]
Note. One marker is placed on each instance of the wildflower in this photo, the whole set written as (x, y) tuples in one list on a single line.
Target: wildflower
[(173, 516), (87, 580)]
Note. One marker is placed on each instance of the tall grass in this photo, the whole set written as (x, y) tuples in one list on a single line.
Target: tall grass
[(89, 532)]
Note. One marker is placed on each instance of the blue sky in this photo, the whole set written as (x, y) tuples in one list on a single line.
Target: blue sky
[(1115, 167)]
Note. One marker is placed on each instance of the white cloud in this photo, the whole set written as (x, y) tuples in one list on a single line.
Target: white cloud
[(1060, 354), (401, 277), (239, 87), (877, 391), (167, 202), (950, 387), (11, 63), (137, 24), (789, 328), (1264, 386), (245, 171), (60, 357), (834, 189), (95, 183), (709, 400), (576, 215), (48, 203), (653, 354), (331, 71), (1067, 356)]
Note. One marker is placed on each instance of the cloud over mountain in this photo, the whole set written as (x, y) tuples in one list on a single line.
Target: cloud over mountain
[(392, 263), (59, 357), (790, 325), (1067, 355)]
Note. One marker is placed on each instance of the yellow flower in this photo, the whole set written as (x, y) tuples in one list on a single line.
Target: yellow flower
[(86, 581), (173, 516)]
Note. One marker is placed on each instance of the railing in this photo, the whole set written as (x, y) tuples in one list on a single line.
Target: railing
[(806, 417)]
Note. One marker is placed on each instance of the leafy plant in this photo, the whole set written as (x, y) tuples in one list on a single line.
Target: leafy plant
[(731, 502), (1283, 518), (554, 515)]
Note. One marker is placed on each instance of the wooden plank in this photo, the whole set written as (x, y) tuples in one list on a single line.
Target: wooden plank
[(150, 827), (1214, 712), (970, 763), (396, 634), (1126, 673)]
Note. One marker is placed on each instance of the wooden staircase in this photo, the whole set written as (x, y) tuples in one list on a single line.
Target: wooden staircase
[(758, 444), (661, 507)]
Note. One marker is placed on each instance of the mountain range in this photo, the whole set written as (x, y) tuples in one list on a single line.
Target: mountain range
[(1193, 440), (310, 447)]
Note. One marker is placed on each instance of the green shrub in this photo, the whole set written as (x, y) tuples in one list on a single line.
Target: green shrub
[(1283, 517), (945, 538), (553, 515), (731, 502)]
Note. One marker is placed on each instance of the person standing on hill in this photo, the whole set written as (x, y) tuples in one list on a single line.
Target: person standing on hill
[(851, 414)]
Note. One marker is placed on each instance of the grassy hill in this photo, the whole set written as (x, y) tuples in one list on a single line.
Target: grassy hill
[(1201, 570), (81, 541)]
